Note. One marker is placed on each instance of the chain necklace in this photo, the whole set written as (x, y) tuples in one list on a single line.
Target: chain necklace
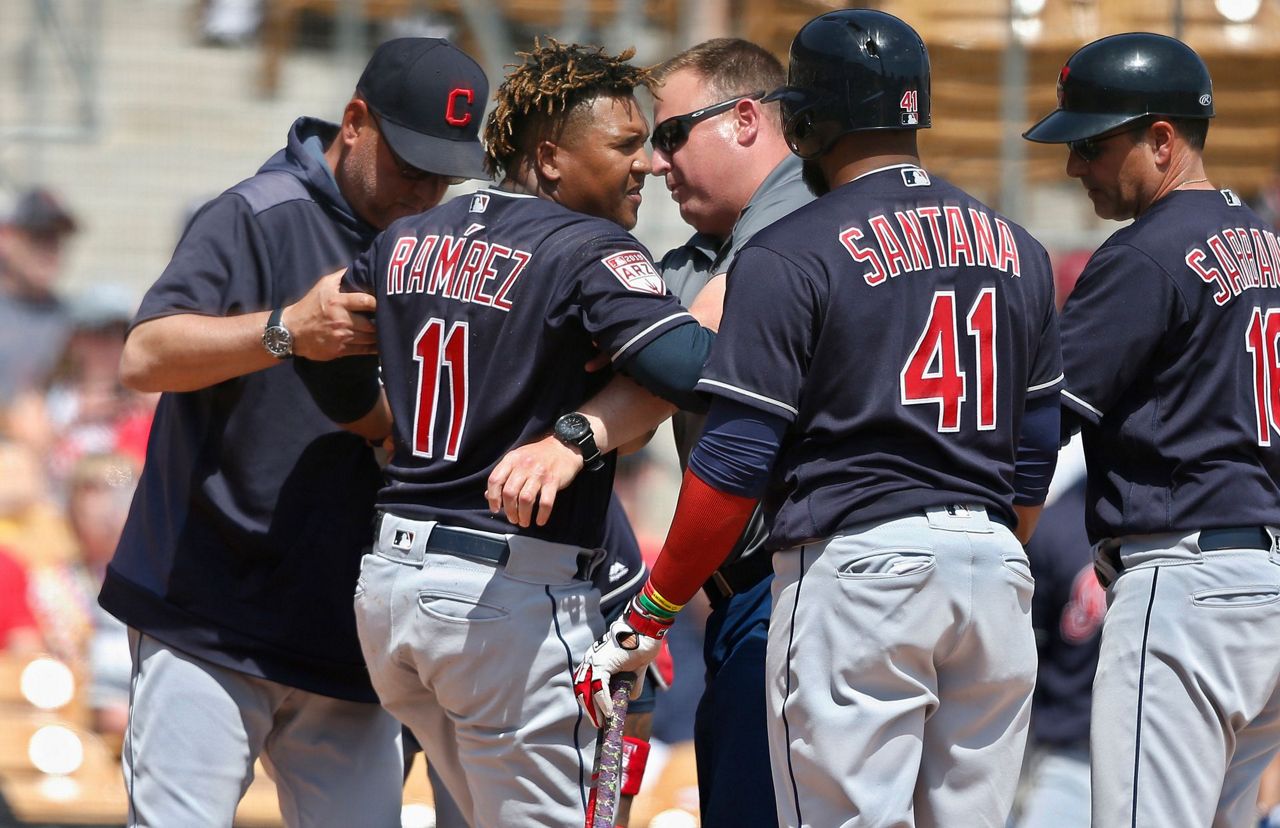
[(1192, 181)]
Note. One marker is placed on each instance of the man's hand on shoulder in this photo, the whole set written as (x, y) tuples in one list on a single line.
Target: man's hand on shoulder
[(327, 323)]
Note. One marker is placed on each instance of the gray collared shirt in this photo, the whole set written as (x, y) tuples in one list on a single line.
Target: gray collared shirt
[(688, 268)]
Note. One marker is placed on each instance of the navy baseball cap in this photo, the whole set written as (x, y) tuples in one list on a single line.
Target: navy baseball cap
[(429, 98)]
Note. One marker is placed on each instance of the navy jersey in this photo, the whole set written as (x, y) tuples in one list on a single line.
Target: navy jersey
[(488, 308), (899, 325), (1170, 344)]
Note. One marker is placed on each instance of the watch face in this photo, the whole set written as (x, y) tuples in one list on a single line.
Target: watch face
[(572, 426), (278, 341)]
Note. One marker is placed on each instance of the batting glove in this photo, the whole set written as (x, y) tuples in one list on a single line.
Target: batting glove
[(628, 646)]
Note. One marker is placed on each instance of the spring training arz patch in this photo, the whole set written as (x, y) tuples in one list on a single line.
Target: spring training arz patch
[(635, 271)]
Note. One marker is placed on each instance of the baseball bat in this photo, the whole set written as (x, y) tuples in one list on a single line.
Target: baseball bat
[(603, 804)]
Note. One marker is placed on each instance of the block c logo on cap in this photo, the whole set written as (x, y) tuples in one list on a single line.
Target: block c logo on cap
[(451, 107)]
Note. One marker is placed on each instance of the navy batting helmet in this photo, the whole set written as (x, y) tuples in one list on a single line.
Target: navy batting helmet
[(853, 70), (1117, 80)]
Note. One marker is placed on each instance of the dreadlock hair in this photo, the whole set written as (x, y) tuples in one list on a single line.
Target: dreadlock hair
[(542, 93)]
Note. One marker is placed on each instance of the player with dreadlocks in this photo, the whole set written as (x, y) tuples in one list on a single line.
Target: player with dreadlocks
[(487, 310)]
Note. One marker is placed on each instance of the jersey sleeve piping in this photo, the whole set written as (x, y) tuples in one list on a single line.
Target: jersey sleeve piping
[(749, 397), (1078, 405), (1042, 386), (661, 323)]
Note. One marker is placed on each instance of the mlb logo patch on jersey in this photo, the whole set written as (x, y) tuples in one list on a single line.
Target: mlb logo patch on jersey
[(403, 540), (635, 271), (915, 177), (1233, 200), (479, 202)]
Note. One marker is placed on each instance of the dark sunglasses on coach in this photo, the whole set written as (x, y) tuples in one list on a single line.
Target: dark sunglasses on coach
[(1090, 149), (406, 170), (671, 134)]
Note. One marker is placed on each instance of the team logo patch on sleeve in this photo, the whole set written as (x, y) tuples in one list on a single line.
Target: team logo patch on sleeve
[(636, 272)]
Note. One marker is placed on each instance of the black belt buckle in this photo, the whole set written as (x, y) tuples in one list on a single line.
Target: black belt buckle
[(1108, 553), (1113, 558), (739, 576), (717, 588), (1234, 537)]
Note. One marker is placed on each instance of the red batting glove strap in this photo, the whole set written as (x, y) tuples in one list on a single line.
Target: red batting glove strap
[(708, 522), (635, 755), (646, 624)]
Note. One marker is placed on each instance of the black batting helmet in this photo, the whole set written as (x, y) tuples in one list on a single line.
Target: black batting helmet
[(853, 70), (1114, 81)]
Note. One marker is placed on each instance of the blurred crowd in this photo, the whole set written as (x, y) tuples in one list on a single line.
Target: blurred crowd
[(72, 442)]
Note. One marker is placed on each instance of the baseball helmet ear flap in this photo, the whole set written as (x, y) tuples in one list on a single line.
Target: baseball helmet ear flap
[(1120, 79), (810, 123), (852, 70)]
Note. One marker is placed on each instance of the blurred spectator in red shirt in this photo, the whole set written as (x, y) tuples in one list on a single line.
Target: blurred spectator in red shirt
[(18, 632)]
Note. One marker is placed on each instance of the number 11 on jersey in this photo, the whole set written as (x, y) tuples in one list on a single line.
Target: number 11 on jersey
[(439, 356)]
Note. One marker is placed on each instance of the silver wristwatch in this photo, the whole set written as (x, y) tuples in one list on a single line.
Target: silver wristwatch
[(276, 338)]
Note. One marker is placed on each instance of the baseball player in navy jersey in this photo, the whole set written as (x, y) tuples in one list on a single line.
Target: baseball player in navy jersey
[(885, 382), (726, 164), (1170, 351), (236, 567), (487, 309)]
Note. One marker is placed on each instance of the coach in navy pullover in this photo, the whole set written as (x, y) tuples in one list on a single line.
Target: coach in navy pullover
[(238, 563), (224, 555)]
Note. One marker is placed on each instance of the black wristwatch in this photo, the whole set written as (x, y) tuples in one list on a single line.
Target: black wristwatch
[(574, 429), (276, 338)]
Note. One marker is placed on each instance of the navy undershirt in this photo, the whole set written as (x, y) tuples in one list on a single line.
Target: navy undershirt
[(738, 447)]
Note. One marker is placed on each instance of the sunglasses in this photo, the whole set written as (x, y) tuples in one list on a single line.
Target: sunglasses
[(1091, 149), (671, 134), (406, 170)]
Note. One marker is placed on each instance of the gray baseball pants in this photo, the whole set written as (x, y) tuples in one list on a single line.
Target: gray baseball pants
[(900, 665), (196, 729), (477, 660), (1186, 706)]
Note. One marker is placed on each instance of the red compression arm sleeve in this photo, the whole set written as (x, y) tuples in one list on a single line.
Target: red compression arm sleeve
[(708, 522)]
